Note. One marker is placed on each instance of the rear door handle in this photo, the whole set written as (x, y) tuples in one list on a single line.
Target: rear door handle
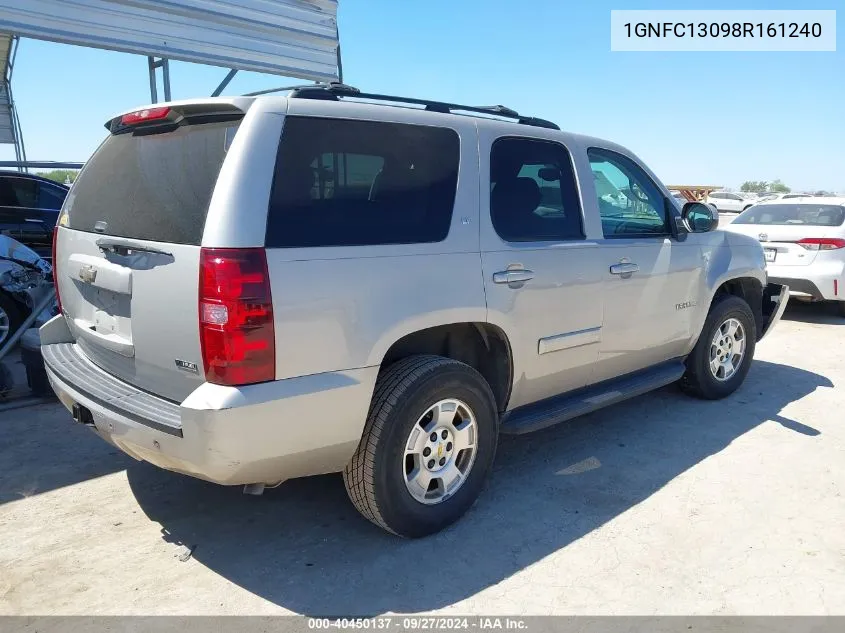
[(624, 269), (512, 276)]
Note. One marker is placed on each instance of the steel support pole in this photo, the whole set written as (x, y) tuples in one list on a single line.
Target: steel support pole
[(339, 60), (153, 89), (228, 78), (14, 120), (165, 77)]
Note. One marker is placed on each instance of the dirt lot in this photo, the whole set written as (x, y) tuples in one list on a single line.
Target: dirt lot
[(662, 505)]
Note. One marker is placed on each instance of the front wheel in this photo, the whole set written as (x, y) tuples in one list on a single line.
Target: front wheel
[(427, 448), (722, 357)]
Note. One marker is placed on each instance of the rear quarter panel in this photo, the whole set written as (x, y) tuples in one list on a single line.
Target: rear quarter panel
[(343, 307)]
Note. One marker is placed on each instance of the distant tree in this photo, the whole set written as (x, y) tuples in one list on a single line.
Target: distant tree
[(754, 186), (777, 186), (60, 175)]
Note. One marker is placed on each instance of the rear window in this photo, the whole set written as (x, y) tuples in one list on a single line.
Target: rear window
[(793, 214), (151, 186), (354, 183)]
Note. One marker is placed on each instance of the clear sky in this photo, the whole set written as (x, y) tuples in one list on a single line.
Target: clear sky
[(695, 118)]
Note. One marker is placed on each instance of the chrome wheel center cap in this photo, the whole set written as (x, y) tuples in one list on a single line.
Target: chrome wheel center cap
[(438, 449)]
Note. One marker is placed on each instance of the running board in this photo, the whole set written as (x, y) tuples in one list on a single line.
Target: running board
[(539, 415)]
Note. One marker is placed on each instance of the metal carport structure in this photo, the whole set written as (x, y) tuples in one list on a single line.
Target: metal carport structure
[(291, 38), (9, 123)]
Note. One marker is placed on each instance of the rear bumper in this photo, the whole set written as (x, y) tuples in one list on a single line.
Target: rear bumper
[(821, 280), (803, 287), (263, 433)]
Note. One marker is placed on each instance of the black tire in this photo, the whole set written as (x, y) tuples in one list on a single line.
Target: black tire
[(13, 312), (403, 392), (840, 308), (698, 380)]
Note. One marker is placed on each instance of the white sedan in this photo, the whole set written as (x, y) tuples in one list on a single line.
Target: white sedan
[(804, 243), (729, 201)]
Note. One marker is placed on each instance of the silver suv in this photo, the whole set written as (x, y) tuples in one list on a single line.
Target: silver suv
[(256, 289)]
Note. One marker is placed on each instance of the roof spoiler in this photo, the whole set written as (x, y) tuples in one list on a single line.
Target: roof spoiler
[(163, 117)]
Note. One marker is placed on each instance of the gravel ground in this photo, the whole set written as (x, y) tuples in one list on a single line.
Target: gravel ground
[(661, 505)]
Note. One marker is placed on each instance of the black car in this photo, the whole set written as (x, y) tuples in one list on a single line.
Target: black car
[(29, 207)]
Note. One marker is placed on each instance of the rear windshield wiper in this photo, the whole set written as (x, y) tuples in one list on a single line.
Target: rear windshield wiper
[(125, 247)]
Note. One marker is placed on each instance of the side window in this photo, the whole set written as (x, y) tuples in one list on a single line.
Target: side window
[(354, 183), (629, 202), (533, 194), (8, 196), (18, 192), (716, 195), (346, 172), (50, 197)]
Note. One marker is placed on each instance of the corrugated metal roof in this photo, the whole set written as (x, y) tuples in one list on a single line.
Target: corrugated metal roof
[(5, 46), (6, 135), (294, 38)]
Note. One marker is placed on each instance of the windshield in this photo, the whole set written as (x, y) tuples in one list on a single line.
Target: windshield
[(797, 214)]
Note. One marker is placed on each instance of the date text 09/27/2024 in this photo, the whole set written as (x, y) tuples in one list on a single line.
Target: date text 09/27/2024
[(421, 623)]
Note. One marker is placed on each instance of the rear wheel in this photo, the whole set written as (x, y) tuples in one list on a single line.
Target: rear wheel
[(10, 317), (840, 308), (722, 357), (427, 446)]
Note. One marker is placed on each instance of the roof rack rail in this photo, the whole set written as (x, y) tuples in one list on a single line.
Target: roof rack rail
[(334, 91), (258, 93)]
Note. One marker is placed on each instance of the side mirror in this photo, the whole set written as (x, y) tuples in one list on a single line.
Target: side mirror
[(700, 217)]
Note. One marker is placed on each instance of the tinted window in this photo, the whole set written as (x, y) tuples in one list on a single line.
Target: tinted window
[(344, 171), (793, 214), (50, 197), (533, 196), (152, 187), (629, 202), (347, 183), (18, 192)]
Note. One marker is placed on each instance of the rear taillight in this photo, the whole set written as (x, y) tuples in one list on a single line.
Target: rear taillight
[(236, 316), (143, 116), (821, 243), (55, 263)]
